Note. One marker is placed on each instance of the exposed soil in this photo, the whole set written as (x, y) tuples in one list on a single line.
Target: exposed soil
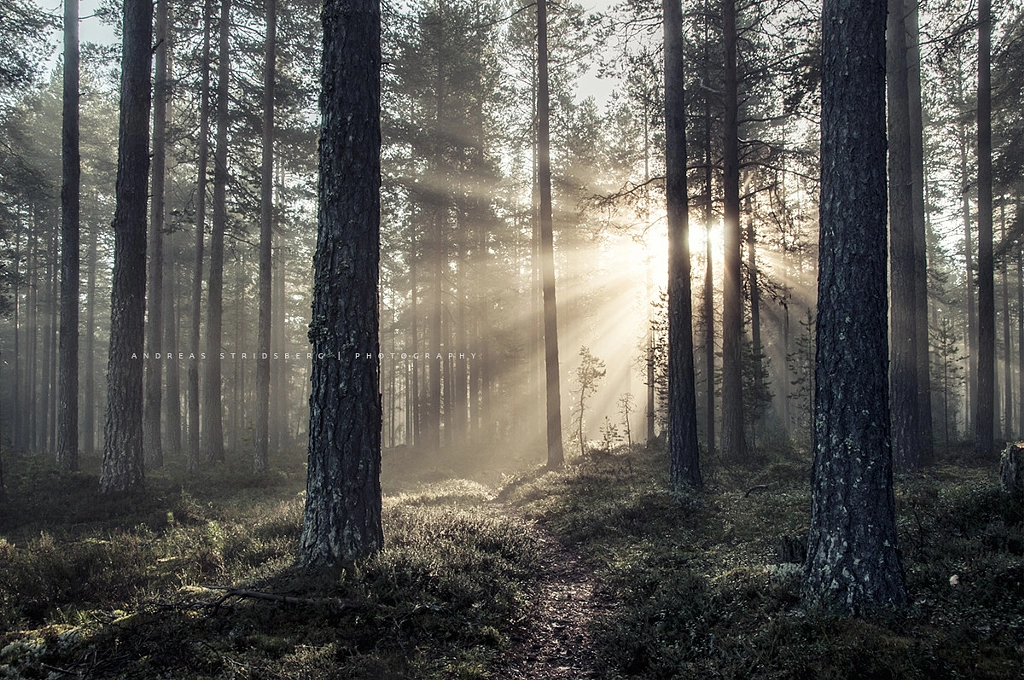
[(556, 638)]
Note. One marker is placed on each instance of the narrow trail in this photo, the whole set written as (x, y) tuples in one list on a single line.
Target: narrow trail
[(555, 639)]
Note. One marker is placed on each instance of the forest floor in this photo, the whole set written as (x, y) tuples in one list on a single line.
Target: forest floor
[(495, 571)]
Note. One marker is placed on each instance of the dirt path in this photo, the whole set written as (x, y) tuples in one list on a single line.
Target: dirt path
[(555, 640)]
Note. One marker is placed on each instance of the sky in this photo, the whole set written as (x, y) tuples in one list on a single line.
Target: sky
[(94, 30)]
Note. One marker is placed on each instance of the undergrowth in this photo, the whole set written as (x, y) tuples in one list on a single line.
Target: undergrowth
[(136, 598), (704, 593), (697, 583)]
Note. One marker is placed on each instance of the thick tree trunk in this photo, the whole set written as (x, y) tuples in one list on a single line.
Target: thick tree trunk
[(260, 461), (213, 424), (123, 465), (67, 411), (684, 454), (152, 444), (554, 402), (192, 459), (1011, 470), (853, 562), (903, 388), (733, 440), (343, 496), (984, 427)]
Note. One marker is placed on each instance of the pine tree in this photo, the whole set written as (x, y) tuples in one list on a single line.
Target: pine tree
[(343, 496)]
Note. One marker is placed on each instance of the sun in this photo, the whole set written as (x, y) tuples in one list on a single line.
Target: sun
[(700, 234)]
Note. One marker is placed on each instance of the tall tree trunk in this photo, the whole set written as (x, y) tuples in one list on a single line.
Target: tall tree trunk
[(755, 309), (918, 188), (1007, 343), (213, 425), (459, 372), (971, 407), (279, 392), (18, 417), (32, 301), (192, 459), (1020, 330), (554, 404), (853, 561), (684, 454), (51, 404), (238, 377), (152, 444), (123, 465), (89, 407), (260, 461), (49, 336), (435, 330), (906, 429), (67, 412), (343, 497), (172, 404), (733, 441), (708, 306), (984, 427), (649, 283), (414, 432)]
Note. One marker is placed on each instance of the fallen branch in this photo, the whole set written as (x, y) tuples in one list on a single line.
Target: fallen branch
[(336, 602), (55, 669), (759, 487)]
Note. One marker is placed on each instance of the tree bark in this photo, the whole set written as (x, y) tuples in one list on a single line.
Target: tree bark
[(554, 404), (853, 562), (260, 461), (213, 424), (984, 427), (152, 444), (684, 454), (67, 411), (123, 466), (733, 440), (903, 388), (343, 496)]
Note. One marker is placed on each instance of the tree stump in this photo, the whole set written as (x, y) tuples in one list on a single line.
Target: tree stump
[(1011, 469)]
